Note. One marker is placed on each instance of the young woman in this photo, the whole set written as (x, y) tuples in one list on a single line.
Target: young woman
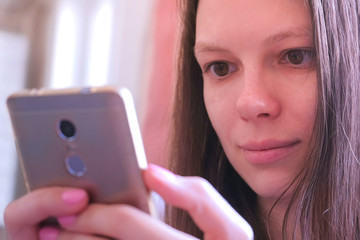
[(266, 111), (267, 100)]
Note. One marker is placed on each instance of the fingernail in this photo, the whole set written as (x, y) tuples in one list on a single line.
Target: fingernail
[(49, 233), (162, 172), (67, 220), (73, 196)]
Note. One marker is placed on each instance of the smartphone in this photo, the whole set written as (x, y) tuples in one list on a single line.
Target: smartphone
[(82, 137)]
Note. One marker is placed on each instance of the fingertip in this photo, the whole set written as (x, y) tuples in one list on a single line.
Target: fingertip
[(10, 213), (66, 221), (156, 175), (163, 182), (160, 171), (74, 196), (49, 233), (148, 176)]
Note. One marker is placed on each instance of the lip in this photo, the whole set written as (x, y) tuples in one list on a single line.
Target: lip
[(268, 151)]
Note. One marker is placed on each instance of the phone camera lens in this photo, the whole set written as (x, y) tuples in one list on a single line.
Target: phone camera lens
[(67, 129)]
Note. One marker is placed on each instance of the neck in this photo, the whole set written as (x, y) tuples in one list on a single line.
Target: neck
[(275, 220)]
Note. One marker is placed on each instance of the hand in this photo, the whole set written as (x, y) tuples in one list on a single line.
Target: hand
[(80, 221), (210, 211), (22, 217)]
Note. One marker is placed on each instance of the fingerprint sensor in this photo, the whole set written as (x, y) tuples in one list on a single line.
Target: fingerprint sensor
[(75, 165)]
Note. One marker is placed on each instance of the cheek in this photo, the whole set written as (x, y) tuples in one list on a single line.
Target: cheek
[(302, 108), (220, 109), (222, 113)]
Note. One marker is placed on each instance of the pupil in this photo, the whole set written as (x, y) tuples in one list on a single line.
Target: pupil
[(295, 57), (221, 69)]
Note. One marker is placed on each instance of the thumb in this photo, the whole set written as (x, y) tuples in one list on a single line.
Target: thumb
[(209, 210)]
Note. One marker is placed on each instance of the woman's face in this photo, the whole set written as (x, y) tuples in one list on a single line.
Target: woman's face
[(260, 85)]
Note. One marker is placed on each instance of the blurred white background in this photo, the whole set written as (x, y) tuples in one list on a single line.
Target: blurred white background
[(63, 43)]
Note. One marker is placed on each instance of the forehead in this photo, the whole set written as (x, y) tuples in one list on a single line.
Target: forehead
[(247, 19)]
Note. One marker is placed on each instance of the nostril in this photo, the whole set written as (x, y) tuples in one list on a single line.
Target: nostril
[(263, 115)]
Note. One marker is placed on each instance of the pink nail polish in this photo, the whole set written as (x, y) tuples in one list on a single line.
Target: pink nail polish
[(73, 196), (67, 220), (49, 233)]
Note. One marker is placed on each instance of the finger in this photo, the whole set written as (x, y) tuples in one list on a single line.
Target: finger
[(23, 215), (210, 211), (49, 233), (120, 222)]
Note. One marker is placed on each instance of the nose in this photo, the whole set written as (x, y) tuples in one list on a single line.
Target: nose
[(258, 99)]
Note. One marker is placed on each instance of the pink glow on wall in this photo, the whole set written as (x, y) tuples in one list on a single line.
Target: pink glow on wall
[(156, 121)]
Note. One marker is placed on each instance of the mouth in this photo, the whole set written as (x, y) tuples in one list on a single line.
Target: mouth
[(268, 151)]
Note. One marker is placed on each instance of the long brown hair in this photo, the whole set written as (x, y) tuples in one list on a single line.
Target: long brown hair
[(327, 196)]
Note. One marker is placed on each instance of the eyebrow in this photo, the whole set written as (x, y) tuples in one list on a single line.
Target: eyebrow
[(297, 32), (278, 37), (208, 47)]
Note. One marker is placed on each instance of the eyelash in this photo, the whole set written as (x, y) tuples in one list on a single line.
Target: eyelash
[(308, 54), (208, 69)]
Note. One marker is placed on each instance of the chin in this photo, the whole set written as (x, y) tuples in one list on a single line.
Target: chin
[(271, 188)]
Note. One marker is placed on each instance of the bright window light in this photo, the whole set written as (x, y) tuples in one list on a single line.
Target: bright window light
[(99, 48), (13, 60), (65, 49)]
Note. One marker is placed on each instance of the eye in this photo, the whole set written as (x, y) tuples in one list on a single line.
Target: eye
[(296, 57), (299, 57), (220, 69)]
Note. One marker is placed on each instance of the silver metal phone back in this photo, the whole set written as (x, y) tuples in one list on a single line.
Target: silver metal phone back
[(101, 156)]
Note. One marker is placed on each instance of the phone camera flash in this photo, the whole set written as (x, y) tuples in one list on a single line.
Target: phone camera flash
[(75, 165)]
